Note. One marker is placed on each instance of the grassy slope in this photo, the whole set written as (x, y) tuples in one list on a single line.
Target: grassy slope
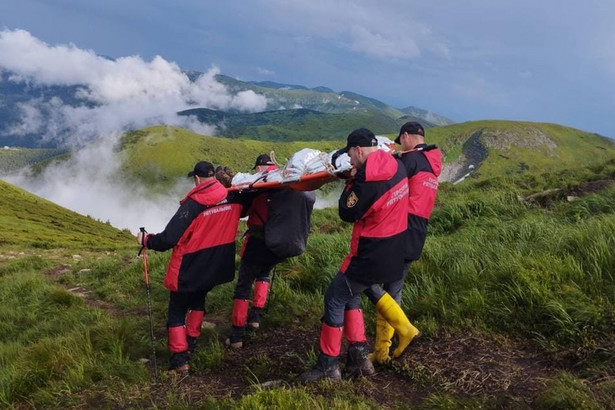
[(492, 263), (512, 149), (161, 154), (508, 268), (28, 220)]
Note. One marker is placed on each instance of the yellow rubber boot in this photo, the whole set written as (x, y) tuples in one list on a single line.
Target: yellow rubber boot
[(392, 313), (382, 344)]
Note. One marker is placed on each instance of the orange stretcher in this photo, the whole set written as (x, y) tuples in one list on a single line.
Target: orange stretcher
[(307, 182)]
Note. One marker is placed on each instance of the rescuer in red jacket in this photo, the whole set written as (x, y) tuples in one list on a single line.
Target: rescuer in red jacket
[(423, 165), (257, 262), (375, 200), (202, 234)]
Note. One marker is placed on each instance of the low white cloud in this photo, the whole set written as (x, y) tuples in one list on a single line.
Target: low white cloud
[(32, 119), (90, 183), (112, 95)]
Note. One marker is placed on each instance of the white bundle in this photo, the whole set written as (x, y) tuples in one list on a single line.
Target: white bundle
[(305, 161), (244, 178), (342, 162), (385, 144), (274, 175)]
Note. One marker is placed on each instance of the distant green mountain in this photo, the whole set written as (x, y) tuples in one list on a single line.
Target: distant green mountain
[(295, 113), (294, 125), (290, 110), (31, 221), (490, 148), (481, 148), (322, 99), (13, 159)]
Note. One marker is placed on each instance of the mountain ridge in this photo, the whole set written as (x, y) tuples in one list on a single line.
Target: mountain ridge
[(476, 148)]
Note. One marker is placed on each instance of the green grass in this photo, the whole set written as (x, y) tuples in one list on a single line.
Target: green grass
[(159, 155), (53, 343), (497, 263), (30, 221), (515, 147), (493, 264)]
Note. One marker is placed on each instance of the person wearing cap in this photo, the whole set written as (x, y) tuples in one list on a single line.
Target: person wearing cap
[(202, 234), (257, 262), (263, 163), (423, 165), (374, 200)]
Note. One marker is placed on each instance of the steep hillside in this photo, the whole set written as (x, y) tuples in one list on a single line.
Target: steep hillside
[(296, 124), (12, 159), (158, 155), (31, 221), (491, 148)]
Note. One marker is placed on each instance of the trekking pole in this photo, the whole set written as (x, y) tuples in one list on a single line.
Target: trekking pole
[(271, 288), (143, 254)]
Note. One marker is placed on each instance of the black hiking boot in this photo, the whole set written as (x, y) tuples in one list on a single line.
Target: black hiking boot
[(191, 344), (327, 368), (235, 340), (357, 361), (254, 318), (179, 363)]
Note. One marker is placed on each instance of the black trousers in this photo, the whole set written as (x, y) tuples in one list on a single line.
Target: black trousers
[(248, 273), (181, 302)]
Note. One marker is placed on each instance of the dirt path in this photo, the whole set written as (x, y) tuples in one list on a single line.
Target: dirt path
[(466, 365), (462, 365)]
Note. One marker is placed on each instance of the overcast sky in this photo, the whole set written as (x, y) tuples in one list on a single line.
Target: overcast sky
[(545, 60)]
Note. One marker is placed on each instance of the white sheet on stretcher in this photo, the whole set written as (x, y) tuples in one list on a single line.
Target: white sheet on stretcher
[(307, 161)]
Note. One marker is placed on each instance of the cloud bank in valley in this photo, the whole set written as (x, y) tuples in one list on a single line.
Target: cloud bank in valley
[(88, 183), (110, 96)]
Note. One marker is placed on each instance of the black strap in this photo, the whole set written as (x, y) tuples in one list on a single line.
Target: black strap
[(142, 229)]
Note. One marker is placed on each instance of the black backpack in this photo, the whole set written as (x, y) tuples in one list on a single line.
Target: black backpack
[(288, 221)]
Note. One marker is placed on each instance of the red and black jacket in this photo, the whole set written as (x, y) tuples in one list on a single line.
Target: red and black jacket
[(376, 201), (202, 234), (254, 249), (423, 169)]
